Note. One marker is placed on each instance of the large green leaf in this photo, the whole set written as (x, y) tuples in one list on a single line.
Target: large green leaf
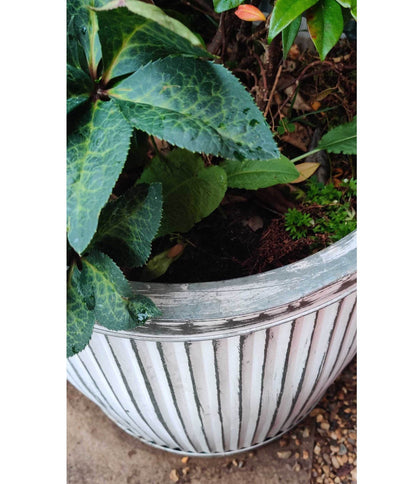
[(97, 150), (191, 191), (75, 101), (78, 83), (131, 39), (325, 24), (342, 139), (289, 34), (128, 225), (116, 307), (223, 5), (80, 315), (197, 105), (82, 29), (255, 174), (285, 12)]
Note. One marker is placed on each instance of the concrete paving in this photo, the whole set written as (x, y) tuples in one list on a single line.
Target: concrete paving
[(99, 452)]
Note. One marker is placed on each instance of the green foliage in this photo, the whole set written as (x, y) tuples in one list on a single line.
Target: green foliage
[(289, 34), (196, 105), (100, 292), (336, 216), (255, 174), (133, 69), (285, 12), (297, 223), (191, 191), (341, 139), (97, 147), (223, 5), (324, 18), (325, 24), (128, 225)]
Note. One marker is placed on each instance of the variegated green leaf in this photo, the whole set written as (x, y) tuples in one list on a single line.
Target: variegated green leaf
[(97, 150), (83, 32), (197, 105), (80, 315), (191, 191), (78, 83), (137, 33), (128, 225), (116, 307), (255, 174), (325, 24), (74, 101)]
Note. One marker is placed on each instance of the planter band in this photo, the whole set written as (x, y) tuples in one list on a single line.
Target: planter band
[(230, 365)]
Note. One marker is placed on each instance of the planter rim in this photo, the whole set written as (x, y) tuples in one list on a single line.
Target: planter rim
[(199, 311)]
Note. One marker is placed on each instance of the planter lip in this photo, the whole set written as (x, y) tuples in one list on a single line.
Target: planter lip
[(199, 311)]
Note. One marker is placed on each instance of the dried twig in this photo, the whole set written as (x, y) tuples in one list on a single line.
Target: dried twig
[(276, 80)]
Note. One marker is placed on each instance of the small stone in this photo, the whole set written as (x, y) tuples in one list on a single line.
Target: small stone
[(326, 458), (282, 443), (326, 470), (335, 462), (174, 476), (316, 411), (297, 442), (319, 417), (285, 454), (235, 462), (185, 459), (185, 470), (317, 449), (305, 455), (325, 425), (343, 459), (354, 473), (306, 433), (342, 449), (334, 448), (296, 467)]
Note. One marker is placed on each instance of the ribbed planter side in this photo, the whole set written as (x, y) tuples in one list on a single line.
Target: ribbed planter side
[(222, 385)]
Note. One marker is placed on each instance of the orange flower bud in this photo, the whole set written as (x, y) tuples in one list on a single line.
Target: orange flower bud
[(249, 13)]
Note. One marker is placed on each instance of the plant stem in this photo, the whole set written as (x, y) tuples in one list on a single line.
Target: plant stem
[(301, 157)]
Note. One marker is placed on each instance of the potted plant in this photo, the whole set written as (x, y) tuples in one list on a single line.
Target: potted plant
[(203, 368)]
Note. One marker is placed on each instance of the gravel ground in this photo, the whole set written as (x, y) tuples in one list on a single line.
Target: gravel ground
[(320, 450)]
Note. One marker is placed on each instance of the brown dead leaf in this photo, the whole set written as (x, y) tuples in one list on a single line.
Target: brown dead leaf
[(175, 251), (299, 138), (315, 105), (275, 198), (294, 52), (255, 223), (325, 93), (305, 170), (299, 104), (174, 476)]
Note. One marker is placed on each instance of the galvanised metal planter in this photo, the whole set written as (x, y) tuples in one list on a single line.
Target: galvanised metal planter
[(230, 365)]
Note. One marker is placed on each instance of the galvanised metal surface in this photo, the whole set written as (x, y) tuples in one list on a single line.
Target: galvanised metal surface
[(230, 365)]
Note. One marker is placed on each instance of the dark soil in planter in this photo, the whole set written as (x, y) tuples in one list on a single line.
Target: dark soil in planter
[(246, 234)]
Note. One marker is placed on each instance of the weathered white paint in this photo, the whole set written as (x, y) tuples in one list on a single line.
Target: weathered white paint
[(229, 365)]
